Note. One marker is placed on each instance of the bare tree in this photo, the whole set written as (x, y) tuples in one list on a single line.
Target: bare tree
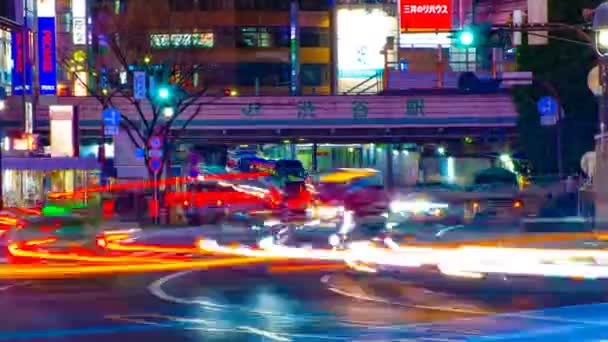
[(112, 79)]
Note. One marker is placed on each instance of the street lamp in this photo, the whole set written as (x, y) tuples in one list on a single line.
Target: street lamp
[(168, 112), (600, 27)]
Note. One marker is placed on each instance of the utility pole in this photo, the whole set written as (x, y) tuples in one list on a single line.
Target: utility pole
[(294, 48)]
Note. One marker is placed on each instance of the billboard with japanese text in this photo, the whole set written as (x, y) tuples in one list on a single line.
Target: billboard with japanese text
[(425, 15), (22, 64), (47, 56)]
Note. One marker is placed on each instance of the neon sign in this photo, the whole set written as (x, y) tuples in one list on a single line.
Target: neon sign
[(20, 72), (47, 56)]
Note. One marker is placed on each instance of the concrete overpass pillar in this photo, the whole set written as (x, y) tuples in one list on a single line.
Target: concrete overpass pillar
[(332, 151), (360, 150), (315, 167), (292, 152), (388, 183)]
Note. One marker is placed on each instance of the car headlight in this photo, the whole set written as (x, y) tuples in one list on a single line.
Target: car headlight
[(325, 212), (334, 240), (271, 223), (266, 243), (417, 207)]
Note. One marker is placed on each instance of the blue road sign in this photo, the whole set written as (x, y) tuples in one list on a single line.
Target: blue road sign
[(110, 130), (155, 153), (155, 142), (111, 117), (155, 164), (139, 153), (547, 106)]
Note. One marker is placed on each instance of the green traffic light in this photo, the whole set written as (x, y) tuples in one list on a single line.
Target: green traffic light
[(466, 38), (164, 93)]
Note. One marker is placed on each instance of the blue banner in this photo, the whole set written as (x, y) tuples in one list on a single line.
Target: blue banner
[(47, 58), (21, 64)]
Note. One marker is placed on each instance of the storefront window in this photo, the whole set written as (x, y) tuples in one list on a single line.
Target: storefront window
[(5, 59), (27, 188), (23, 189)]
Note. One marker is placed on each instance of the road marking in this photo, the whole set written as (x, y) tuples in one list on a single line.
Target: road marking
[(552, 319), (156, 288), (8, 287), (416, 306), (132, 320), (143, 319), (448, 229), (264, 333)]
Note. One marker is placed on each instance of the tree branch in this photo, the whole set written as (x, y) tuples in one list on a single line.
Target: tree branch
[(137, 105), (130, 123), (185, 125), (128, 130)]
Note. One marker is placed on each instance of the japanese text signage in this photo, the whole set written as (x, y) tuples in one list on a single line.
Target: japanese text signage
[(79, 28), (22, 68), (46, 47), (425, 15)]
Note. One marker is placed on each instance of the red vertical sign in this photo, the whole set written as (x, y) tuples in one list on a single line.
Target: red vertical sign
[(425, 15)]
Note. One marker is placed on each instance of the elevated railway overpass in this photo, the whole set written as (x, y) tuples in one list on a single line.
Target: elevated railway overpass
[(413, 117)]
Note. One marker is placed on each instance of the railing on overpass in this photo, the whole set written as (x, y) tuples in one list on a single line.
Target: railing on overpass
[(400, 80)]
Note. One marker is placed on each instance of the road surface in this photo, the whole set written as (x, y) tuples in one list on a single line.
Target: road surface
[(254, 304), (264, 303)]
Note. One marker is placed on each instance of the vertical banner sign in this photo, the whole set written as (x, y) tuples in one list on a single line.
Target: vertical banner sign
[(46, 47), (22, 70), (139, 85), (425, 15), (79, 23), (29, 118)]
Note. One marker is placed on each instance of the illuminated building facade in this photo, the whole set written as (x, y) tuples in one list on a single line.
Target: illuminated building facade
[(8, 23), (244, 45)]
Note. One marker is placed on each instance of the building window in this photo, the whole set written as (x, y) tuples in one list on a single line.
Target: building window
[(255, 37), (263, 37), (280, 5), (181, 5), (267, 74), (182, 40), (214, 5), (314, 37), (224, 36), (314, 5), (463, 59), (314, 75), (64, 24)]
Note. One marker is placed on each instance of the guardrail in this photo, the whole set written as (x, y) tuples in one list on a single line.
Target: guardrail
[(400, 80)]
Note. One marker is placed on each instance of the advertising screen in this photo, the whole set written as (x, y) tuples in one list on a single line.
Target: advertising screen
[(46, 8), (425, 15), (61, 131), (362, 35)]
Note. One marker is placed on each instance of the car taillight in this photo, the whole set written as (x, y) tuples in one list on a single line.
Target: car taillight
[(101, 242)]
